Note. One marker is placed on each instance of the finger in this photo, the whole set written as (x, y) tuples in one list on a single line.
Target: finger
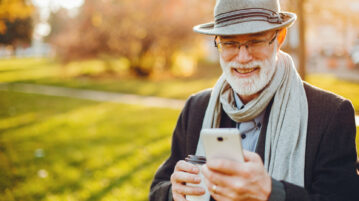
[(178, 197), (251, 157), (224, 166), (184, 177), (186, 167), (216, 177), (231, 168), (220, 197), (220, 190), (187, 190)]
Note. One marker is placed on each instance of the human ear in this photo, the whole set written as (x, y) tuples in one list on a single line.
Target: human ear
[(281, 36)]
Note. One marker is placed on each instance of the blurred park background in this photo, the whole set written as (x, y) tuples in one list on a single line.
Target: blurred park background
[(90, 91)]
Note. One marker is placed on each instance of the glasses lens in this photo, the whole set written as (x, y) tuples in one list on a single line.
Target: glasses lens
[(252, 46), (229, 46), (256, 46)]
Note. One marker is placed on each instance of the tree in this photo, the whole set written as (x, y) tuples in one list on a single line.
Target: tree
[(15, 22), (314, 13), (146, 32), (58, 22), (18, 32)]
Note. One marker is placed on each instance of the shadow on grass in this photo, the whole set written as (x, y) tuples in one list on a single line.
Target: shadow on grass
[(13, 105), (88, 172), (83, 142), (121, 180)]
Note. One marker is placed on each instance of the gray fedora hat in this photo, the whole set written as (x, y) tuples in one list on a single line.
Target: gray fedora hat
[(237, 17)]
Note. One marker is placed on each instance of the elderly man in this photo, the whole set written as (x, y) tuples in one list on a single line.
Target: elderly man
[(299, 140)]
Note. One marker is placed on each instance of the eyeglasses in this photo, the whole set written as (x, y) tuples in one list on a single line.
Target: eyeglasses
[(252, 46)]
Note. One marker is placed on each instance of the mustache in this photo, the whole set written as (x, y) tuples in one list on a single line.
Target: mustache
[(252, 64)]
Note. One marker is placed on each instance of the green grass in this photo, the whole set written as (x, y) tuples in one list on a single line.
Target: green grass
[(346, 89), (81, 75), (66, 149), (17, 70), (84, 75), (176, 88)]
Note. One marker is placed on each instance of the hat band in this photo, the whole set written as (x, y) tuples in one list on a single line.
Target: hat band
[(247, 15)]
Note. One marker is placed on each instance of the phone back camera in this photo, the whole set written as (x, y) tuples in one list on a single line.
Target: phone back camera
[(220, 139)]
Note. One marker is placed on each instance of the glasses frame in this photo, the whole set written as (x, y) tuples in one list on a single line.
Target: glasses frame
[(247, 43)]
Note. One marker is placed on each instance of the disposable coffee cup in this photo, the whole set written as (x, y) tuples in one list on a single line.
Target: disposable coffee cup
[(198, 161)]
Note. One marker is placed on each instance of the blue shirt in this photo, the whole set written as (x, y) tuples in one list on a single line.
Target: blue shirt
[(249, 130)]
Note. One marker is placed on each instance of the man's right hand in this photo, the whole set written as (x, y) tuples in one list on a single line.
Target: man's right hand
[(185, 173)]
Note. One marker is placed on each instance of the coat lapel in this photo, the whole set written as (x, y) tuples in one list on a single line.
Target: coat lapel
[(262, 136)]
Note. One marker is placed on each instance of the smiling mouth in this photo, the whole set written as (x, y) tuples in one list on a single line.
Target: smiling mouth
[(245, 70)]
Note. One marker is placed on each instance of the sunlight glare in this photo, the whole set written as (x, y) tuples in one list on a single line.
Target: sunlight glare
[(68, 4)]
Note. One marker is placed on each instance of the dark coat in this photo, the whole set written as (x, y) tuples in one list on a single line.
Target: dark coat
[(330, 149)]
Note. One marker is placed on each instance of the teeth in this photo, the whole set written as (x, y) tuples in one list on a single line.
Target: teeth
[(243, 71)]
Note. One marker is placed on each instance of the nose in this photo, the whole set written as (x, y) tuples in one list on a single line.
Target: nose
[(243, 56)]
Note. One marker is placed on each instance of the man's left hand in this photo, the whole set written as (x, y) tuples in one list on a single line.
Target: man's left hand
[(230, 180)]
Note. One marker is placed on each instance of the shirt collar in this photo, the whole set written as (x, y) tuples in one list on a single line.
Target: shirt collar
[(239, 102)]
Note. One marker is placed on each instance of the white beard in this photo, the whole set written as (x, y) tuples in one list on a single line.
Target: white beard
[(254, 83)]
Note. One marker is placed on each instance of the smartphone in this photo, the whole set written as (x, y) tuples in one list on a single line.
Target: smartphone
[(223, 143)]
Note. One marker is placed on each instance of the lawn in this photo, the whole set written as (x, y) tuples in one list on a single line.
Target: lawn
[(84, 76), (66, 149), (81, 75)]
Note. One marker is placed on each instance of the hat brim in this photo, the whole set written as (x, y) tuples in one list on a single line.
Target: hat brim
[(245, 27)]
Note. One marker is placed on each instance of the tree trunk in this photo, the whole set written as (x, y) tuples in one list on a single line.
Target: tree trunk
[(139, 71), (302, 39)]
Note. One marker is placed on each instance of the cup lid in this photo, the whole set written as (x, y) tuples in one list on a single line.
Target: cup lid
[(196, 159)]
